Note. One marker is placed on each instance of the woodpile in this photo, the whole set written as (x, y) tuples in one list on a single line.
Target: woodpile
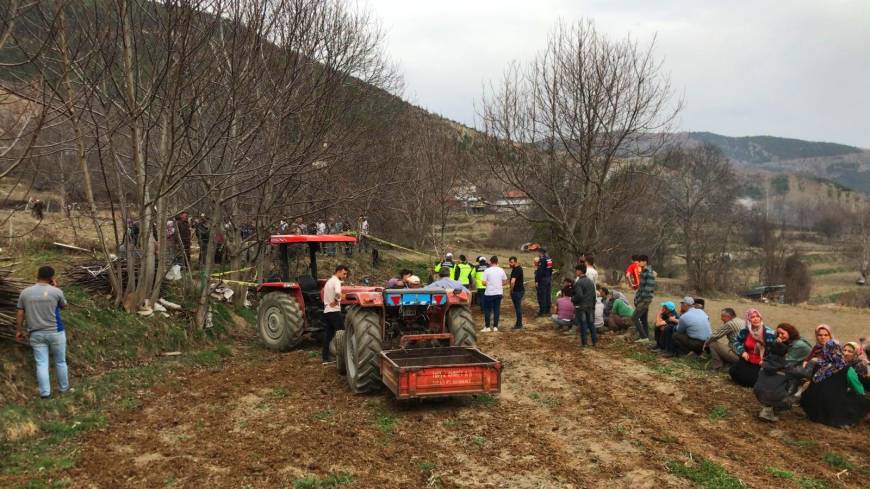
[(93, 276), (10, 288)]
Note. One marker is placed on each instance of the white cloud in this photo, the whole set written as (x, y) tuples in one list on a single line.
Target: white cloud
[(797, 68)]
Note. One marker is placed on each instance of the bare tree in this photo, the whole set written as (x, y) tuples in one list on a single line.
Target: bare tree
[(559, 129), (698, 188)]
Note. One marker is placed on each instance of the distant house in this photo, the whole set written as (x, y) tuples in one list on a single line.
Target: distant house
[(467, 198), (513, 199)]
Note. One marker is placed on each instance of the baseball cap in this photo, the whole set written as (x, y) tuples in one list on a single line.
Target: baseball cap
[(669, 306), (413, 279), (688, 300)]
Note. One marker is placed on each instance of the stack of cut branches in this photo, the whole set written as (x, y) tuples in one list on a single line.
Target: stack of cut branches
[(10, 288), (93, 276)]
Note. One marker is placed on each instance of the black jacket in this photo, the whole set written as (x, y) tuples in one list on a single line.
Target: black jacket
[(584, 293)]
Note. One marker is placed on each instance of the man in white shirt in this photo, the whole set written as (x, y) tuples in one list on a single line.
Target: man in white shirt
[(332, 309), (591, 272), (494, 278)]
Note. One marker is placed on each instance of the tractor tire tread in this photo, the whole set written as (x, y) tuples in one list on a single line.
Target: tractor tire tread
[(461, 325), (294, 323)]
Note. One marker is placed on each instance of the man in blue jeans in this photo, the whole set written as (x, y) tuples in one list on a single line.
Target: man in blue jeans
[(584, 305), (39, 307)]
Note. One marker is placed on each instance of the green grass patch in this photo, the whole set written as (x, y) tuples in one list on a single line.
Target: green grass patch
[(644, 357), (828, 271), (386, 423), (325, 416), (280, 392), (330, 481), (837, 461), (60, 420), (706, 474), (246, 313), (427, 469), (484, 400), (718, 412), (780, 473), (479, 441), (41, 484), (545, 401), (809, 483)]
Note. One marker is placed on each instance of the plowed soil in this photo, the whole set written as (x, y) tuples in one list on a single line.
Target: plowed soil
[(613, 416)]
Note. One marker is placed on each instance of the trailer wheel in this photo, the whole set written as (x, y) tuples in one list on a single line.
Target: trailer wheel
[(363, 344), (279, 321), (461, 325), (338, 344)]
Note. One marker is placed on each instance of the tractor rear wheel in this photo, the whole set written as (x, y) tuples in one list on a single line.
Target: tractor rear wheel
[(338, 344), (461, 325), (363, 344), (279, 321)]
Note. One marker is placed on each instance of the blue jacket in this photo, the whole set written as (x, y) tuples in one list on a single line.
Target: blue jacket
[(739, 343)]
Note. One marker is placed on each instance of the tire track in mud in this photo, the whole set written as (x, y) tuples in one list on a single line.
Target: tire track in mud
[(565, 419), (654, 408)]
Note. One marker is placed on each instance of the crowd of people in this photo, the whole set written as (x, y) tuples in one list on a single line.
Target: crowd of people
[(828, 379)]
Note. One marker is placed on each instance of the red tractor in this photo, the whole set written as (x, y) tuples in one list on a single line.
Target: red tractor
[(376, 322)]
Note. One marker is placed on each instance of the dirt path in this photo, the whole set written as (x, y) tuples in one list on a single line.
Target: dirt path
[(610, 417)]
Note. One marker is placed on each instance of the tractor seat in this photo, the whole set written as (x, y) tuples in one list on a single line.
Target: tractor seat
[(310, 289)]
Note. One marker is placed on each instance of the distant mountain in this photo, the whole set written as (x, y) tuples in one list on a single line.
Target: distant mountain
[(845, 165), (764, 149)]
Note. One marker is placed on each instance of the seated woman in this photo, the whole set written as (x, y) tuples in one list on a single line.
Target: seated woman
[(666, 318), (750, 345), (835, 396), (857, 359), (564, 316), (823, 335), (777, 379)]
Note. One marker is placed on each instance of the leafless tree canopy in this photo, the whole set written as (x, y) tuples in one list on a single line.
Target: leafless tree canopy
[(570, 128), (246, 110)]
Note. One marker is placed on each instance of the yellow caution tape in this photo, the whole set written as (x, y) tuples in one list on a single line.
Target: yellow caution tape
[(249, 284), (221, 274), (394, 245)]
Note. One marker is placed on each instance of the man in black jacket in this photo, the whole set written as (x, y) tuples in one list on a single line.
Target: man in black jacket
[(584, 304)]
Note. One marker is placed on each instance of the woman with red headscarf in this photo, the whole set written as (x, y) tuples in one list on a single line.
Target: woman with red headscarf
[(750, 345)]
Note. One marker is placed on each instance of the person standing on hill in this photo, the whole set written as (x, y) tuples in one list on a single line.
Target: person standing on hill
[(332, 308), (183, 233), (518, 290), (591, 272), (481, 267), (544, 282), (646, 290), (494, 279), (447, 263), (39, 308), (632, 273), (584, 305), (463, 272)]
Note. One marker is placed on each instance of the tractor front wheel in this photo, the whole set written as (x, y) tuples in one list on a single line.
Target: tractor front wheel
[(461, 326), (363, 345), (279, 321)]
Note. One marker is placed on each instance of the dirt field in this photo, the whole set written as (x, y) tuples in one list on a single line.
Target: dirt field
[(614, 416)]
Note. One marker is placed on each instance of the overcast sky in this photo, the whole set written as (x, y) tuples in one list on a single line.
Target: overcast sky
[(792, 68)]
